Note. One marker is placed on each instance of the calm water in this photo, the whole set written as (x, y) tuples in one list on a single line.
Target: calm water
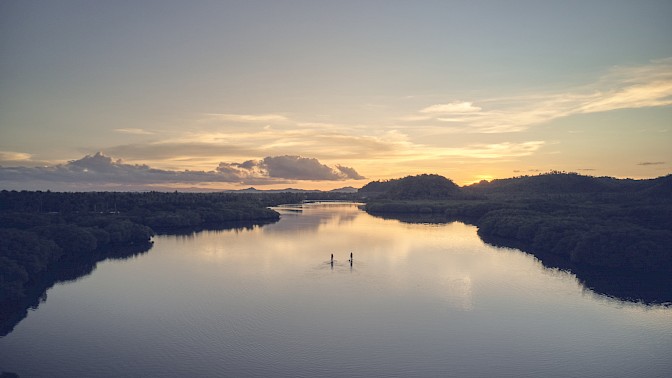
[(418, 300)]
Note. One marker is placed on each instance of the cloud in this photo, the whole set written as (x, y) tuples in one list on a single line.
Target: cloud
[(247, 117), (11, 156), (134, 131), (630, 87), (651, 163), (99, 169), (479, 151), (451, 108), (299, 168), (494, 150), (163, 151), (212, 147), (19, 159), (208, 149), (288, 167), (350, 172), (350, 145)]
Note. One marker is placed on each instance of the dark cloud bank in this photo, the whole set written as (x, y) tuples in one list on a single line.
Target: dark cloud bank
[(99, 171), (288, 167)]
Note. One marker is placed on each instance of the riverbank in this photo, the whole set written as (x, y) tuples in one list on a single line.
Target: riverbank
[(618, 246), (606, 232), (46, 234)]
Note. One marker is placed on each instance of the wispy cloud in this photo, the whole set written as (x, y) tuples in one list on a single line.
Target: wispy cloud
[(496, 151), (236, 144), (628, 87), (134, 131), (205, 149), (246, 117), (11, 156), (459, 107), (651, 163), (22, 159)]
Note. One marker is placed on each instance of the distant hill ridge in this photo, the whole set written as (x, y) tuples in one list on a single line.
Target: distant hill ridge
[(347, 189), (432, 186), (565, 219), (562, 182)]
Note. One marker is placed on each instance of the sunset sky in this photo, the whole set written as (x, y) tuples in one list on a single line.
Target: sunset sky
[(130, 95)]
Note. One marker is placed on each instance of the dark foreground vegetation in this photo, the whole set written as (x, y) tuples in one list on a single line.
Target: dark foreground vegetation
[(49, 237), (616, 235)]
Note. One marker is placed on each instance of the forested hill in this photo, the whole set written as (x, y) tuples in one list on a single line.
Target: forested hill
[(432, 186), (412, 187), (584, 221)]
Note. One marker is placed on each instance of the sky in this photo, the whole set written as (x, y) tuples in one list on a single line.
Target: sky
[(209, 95)]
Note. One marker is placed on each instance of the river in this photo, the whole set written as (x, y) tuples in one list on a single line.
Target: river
[(416, 300)]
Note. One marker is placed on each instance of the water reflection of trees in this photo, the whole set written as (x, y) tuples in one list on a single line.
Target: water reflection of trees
[(313, 217), (67, 270), (74, 268), (650, 288), (190, 232)]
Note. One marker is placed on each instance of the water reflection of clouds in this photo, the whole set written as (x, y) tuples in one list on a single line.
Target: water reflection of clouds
[(421, 261), (444, 262), (311, 217), (435, 263)]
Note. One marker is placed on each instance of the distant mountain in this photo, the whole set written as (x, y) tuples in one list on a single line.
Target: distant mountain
[(347, 189), (425, 186), (287, 190)]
